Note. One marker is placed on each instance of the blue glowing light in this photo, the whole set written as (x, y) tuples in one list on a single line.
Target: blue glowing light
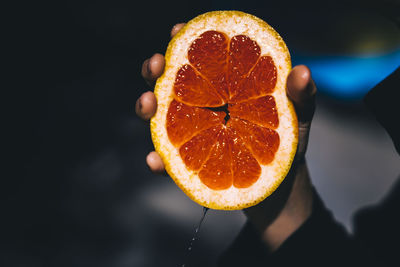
[(349, 77)]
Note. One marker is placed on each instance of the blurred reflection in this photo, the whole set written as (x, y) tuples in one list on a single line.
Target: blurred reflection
[(351, 76)]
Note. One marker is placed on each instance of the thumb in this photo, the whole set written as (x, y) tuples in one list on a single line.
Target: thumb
[(301, 90)]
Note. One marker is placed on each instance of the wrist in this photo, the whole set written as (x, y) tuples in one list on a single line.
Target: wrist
[(294, 211)]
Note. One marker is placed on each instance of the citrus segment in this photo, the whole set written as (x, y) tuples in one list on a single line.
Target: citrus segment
[(243, 55), (263, 142), (193, 89), (208, 54), (196, 151), (216, 173), (261, 111), (246, 170), (184, 121), (229, 163), (259, 82)]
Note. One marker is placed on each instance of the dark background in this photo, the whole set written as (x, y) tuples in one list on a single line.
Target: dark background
[(75, 187)]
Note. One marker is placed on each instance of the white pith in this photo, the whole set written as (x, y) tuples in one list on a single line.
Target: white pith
[(230, 23)]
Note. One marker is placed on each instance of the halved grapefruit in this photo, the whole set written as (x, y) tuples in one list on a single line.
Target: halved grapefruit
[(224, 127)]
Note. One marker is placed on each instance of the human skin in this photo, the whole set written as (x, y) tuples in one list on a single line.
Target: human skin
[(282, 213)]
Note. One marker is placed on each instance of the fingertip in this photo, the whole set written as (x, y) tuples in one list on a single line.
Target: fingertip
[(176, 29), (138, 107), (155, 162), (153, 68), (145, 69), (299, 77), (156, 65), (146, 105), (304, 71), (300, 86)]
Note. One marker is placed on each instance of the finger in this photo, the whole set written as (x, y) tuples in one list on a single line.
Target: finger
[(152, 68), (176, 29), (301, 90), (146, 105), (155, 162)]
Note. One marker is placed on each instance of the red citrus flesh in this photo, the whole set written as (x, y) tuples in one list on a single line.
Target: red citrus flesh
[(223, 116)]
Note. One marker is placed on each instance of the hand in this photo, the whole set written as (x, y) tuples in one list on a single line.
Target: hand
[(146, 105), (282, 213)]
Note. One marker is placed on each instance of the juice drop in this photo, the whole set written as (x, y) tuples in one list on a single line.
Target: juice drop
[(196, 235)]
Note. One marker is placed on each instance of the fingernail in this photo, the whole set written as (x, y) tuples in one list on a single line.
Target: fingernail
[(148, 66), (139, 106)]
